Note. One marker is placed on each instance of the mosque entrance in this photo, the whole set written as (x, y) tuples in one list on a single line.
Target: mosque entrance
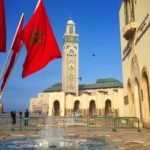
[(131, 101), (92, 108), (76, 107), (138, 100), (56, 107), (108, 110), (146, 96)]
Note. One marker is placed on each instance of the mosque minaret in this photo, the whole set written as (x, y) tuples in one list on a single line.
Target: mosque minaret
[(70, 59)]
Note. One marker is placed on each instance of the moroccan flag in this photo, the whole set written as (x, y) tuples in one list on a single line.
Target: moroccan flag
[(16, 45), (40, 42), (2, 27), (15, 49)]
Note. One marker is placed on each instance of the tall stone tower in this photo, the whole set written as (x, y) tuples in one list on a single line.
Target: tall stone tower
[(70, 59)]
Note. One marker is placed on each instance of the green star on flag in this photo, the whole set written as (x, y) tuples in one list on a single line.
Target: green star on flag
[(36, 37)]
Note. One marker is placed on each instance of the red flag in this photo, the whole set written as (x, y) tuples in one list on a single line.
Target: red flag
[(40, 42), (8, 71), (2, 27), (16, 47)]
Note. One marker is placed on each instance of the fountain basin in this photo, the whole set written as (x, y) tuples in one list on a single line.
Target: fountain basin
[(68, 143)]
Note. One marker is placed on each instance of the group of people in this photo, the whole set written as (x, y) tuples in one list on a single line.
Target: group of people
[(26, 116)]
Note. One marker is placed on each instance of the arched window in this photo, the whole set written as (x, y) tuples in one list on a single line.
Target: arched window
[(70, 30), (71, 53)]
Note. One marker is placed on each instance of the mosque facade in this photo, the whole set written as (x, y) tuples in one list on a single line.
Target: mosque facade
[(102, 98), (135, 45)]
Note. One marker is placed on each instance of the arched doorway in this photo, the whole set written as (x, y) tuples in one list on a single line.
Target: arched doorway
[(76, 107), (108, 109), (131, 101), (92, 108), (56, 107), (146, 96), (138, 104)]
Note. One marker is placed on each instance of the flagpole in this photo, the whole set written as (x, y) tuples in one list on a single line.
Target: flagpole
[(37, 5), (4, 67), (1, 93), (7, 58)]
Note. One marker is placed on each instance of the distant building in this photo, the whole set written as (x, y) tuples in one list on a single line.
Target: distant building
[(69, 98), (135, 45)]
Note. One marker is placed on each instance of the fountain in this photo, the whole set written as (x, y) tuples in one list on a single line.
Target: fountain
[(54, 137)]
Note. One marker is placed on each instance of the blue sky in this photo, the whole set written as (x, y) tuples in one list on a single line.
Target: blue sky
[(97, 23)]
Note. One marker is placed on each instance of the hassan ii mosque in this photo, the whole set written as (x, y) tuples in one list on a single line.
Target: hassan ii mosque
[(104, 97)]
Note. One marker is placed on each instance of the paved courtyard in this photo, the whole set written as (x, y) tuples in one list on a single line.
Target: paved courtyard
[(130, 139)]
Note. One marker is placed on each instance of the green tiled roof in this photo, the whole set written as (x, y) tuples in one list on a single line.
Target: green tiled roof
[(100, 84), (54, 88), (57, 84), (106, 80)]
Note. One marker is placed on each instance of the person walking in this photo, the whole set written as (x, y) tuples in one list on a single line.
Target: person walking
[(13, 117), (26, 115), (20, 114), (11, 114)]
